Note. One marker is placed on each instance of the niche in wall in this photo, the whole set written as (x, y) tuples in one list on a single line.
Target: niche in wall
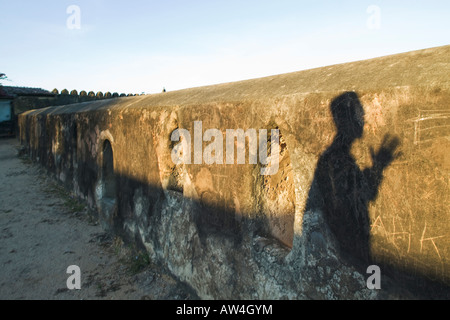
[(277, 197), (108, 176)]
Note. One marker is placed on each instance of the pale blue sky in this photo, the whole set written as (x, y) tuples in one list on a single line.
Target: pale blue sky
[(142, 46)]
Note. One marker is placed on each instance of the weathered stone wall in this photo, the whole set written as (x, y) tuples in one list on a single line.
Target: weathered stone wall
[(231, 232), (29, 102)]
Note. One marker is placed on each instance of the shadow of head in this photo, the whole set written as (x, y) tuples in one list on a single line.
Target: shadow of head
[(348, 115)]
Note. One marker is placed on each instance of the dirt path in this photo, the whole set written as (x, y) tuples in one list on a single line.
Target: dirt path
[(43, 230)]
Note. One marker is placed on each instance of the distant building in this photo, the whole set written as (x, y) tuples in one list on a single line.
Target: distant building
[(14, 100)]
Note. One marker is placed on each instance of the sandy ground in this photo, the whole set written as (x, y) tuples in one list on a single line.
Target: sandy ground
[(43, 231)]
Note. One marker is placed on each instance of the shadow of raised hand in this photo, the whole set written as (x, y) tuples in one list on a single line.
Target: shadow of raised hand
[(386, 153)]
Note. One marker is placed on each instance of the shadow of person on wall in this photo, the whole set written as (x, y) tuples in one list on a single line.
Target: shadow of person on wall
[(340, 189)]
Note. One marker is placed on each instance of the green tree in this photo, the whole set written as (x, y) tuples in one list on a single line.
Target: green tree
[(3, 77)]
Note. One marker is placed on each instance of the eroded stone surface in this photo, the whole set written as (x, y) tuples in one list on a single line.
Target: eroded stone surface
[(230, 232)]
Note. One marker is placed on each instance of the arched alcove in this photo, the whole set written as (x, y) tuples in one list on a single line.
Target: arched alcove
[(75, 139), (277, 196), (108, 175), (173, 174)]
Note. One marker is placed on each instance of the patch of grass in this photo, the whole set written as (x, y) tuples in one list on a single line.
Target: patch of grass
[(70, 201), (73, 204), (117, 245), (138, 262), (134, 259), (25, 160)]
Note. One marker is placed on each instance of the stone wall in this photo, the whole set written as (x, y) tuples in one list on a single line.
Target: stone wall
[(363, 178), (24, 103)]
